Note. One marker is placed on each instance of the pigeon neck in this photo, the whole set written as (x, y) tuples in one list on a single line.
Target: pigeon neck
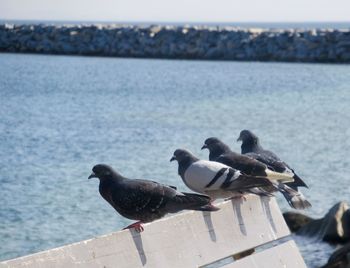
[(251, 147), (217, 151), (115, 177), (185, 163)]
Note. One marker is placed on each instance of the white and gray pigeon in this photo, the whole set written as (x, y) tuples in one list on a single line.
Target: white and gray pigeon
[(222, 153), (252, 148), (214, 179), (144, 200)]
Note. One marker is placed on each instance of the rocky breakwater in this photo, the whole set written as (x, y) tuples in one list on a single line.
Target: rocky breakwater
[(179, 42), (333, 228)]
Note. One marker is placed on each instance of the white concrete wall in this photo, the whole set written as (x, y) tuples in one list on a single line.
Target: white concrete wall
[(189, 239)]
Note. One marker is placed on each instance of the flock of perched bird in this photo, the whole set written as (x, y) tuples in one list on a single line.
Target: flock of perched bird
[(226, 175)]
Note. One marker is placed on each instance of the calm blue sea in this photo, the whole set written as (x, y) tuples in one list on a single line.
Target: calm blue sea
[(61, 115)]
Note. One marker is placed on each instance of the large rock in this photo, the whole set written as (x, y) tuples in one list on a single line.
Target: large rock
[(296, 220), (340, 258), (334, 227)]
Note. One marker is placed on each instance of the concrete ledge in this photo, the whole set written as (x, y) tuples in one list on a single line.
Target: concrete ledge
[(191, 239)]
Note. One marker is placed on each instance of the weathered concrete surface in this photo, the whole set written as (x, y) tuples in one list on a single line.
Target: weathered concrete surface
[(190, 239), (179, 42), (284, 255)]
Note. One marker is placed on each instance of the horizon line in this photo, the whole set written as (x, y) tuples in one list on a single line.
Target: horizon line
[(163, 22)]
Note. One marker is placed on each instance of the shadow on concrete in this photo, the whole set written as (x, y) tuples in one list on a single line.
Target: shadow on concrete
[(139, 245), (237, 204), (209, 223), (265, 204)]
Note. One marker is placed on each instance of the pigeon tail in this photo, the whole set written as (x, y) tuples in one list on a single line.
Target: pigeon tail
[(280, 177), (298, 182), (209, 207), (294, 198), (190, 201)]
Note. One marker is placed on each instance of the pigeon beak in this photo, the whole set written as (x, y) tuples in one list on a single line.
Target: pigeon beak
[(92, 175), (204, 147), (173, 158)]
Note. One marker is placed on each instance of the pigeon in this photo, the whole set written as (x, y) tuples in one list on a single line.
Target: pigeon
[(214, 179), (220, 152), (251, 147), (144, 200)]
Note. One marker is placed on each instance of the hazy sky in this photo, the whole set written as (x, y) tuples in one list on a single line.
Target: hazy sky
[(177, 10)]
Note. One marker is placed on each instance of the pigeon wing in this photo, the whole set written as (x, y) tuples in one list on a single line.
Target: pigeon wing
[(152, 200), (271, 162), (246, 182), (138, 195), (275, 164), (245, 164)]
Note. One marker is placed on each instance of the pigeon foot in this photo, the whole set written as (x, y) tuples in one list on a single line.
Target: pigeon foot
[(137, 226), (213, 207)]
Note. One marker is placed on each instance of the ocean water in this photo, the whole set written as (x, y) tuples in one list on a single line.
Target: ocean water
[(60, 115)]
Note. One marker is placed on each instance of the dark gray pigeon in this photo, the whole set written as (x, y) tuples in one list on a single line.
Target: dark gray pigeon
[(252, 148), (220, 152), (144, 200), (214, 179)]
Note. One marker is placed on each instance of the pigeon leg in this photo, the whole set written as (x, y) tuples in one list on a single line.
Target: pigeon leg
[(136, 225), (241, 196)]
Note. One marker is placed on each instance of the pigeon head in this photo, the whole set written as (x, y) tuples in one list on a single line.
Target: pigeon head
[(102, 171), (185, 159), (248, 137), (250, 142), (211, 143), (216, 147), (181, 155)]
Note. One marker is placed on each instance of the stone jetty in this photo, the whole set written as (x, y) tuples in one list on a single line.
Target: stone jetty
[(333, 228), (179, 42)]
